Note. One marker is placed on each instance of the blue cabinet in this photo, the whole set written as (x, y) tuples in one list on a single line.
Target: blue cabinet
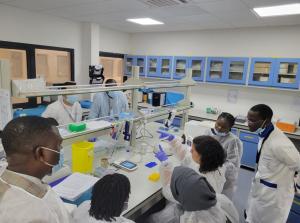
[(216, 69), (180, 67), (153, 66), (165, 66), (236, 70), (131, 61), (197, 64), (294, 216), (159, 66), (250, 142), (261, 71), (286, 73)]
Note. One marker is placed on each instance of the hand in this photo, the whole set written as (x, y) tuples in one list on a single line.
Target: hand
[(161, 155), (166, 135)]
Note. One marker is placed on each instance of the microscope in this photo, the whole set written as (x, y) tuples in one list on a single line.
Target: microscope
[(96, 74)]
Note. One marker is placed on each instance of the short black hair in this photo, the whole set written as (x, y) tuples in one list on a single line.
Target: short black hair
[(264, 111), (212, 153), (110, 83), (108, 197), (53, 121), (228, 117), (25, 133)]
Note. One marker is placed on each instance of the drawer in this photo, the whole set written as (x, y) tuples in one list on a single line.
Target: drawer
[(293, 217), (296, 205), (249, 137)]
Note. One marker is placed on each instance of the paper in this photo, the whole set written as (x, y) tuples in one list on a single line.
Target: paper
[(74, 186), (5, 108)]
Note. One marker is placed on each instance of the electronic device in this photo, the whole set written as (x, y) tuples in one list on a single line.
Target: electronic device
[(158, 98), (125, 164)]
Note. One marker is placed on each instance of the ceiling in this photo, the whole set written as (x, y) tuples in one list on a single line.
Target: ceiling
[(193, 15)]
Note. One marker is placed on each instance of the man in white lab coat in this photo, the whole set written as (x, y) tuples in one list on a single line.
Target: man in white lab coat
[(272, 189), (32, 146), (65, 110)]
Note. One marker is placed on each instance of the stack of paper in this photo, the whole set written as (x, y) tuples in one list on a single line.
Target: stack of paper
[(74, 186)]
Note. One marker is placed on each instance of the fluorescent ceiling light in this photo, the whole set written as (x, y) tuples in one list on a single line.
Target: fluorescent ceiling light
[(145, 21), (279, 10)]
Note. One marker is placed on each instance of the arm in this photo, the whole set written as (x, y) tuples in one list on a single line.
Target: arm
[(234, 152), (95, 109)]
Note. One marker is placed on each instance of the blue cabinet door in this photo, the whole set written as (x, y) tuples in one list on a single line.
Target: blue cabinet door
[(153, 66), (216, 69), (236, 70), (197, 64), (250, 142), (141, 62), (165, 66), (262, 72), (180, 67), (129, 61), (287, 73)]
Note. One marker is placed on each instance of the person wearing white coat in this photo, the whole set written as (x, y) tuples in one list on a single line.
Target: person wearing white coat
[(109, 199), (65, 110), (233, 148), (32, 146), (272, 190)]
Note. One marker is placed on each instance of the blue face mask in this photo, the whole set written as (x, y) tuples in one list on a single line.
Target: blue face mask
[(260, 130), (60, 162), (72, 99)]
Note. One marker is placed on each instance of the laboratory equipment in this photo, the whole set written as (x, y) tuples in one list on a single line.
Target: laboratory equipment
[(151, 164), (154, 177), (82, 157), (77, 127), (96, 74), (286, 127), (170, 119), (125, 164), (158, 98)]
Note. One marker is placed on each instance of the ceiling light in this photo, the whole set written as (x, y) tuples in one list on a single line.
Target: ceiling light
[(279, 10), (145, 21)]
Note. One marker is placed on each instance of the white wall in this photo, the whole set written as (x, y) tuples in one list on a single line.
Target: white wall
[(250, 42), (114, 41), (18, 25)]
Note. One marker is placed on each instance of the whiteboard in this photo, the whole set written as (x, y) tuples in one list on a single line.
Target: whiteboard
[(5, 108)]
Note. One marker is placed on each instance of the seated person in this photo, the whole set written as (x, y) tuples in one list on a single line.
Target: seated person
[(32, 145), (109, 199), (109, 103), (65, 110)]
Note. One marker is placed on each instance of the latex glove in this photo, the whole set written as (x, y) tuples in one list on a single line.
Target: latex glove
[(161, 155), (166, 135)]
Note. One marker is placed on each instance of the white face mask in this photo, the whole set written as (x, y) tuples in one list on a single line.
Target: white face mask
[(54, 167), (260, 130), (222, 134)]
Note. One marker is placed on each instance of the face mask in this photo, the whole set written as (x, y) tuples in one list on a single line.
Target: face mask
[(56, 166), (72, 99), (260, 130), (222, 134)]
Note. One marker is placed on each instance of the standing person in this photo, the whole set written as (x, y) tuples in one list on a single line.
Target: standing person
[(65, 110), (233, 148), (109, 199), (108, 103), (272, 190), (32, 146)]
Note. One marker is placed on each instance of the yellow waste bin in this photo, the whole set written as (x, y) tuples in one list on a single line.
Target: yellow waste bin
[(82, 157)]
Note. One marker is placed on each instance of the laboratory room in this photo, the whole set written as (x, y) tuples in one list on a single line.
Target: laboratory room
[(150, 111)]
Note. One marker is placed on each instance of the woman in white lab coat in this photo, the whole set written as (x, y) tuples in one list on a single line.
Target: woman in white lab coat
[(233, 148), (65, 110), (109, 199), (212, 159)]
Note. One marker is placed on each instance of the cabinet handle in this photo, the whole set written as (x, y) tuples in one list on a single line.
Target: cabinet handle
[(249, 137)]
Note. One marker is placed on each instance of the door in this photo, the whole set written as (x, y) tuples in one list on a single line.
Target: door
[(141, 62), (197, 64), (236, 70), (215, 69), (180, 67), (153, 66), (261, 72), (165, 66)]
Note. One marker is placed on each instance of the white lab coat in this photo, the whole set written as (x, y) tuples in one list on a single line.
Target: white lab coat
[(279, 160), (234, 151), (62, 113), (36, 202), (215, 178), (81, 215), (173, 213)]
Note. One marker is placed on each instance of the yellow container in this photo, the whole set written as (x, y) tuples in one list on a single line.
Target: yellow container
[(82, 157)]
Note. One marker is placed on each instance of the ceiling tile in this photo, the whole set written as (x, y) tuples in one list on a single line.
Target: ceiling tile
[(224, 6), (262, 3)]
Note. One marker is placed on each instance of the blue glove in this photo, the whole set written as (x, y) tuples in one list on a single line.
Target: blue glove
[(161, 155), (165, 135)]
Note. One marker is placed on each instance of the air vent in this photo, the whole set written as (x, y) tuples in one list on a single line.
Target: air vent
[(164, 3)]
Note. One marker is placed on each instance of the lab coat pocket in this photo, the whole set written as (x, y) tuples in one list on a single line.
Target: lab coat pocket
[(264, 193)]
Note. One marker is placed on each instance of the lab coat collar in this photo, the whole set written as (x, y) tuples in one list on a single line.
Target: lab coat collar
[(269, 128)]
